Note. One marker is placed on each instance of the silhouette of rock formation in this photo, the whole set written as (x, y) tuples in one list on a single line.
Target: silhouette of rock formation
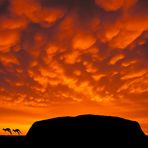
[(86, 130)]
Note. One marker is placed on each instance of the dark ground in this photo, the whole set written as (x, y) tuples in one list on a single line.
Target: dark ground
[(81, 131), (20, 142), (12, 140)]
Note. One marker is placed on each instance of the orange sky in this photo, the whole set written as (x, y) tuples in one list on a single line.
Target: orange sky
[(69, 57)]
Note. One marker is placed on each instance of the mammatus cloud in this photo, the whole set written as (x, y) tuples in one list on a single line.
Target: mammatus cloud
[(73, 51), (114, 5)]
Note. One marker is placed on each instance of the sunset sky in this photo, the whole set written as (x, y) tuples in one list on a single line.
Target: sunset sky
[(70, 57)]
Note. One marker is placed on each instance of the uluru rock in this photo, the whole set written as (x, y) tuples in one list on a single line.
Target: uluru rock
[(87, 130)]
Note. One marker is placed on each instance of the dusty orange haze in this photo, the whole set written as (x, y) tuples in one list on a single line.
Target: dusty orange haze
[(70, 57)]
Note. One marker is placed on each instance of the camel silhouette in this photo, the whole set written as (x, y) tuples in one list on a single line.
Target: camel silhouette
[(7, 130), (17, 131)]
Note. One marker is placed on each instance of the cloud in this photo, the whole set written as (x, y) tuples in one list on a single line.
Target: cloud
[(13, 22), (128, 63), (98, 76), (8, 39), (8, 59), (110, 5), (138, 85), (114, 5), (116, 58), (72, 57), (126, 25), (83, 41), (124, 38), (55, 45), (134, 74), (36, 13)]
